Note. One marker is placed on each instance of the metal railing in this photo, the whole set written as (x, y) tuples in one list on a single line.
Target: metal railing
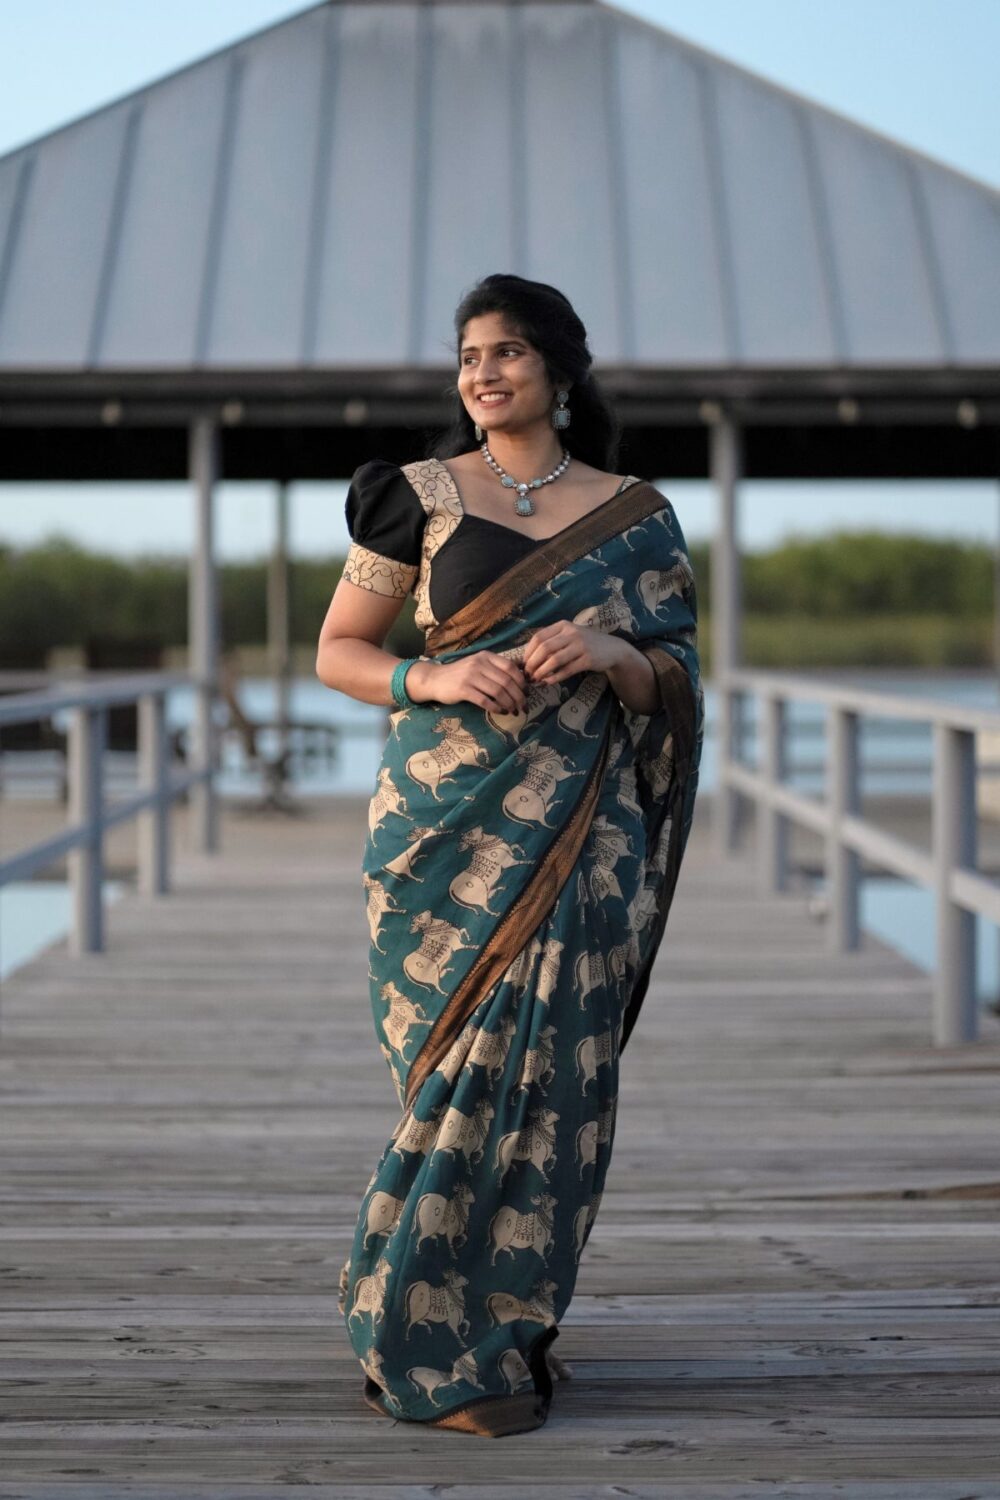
[(90, 815), (948, 870)]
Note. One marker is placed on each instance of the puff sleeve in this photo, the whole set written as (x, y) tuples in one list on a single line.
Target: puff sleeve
[(386, 521)]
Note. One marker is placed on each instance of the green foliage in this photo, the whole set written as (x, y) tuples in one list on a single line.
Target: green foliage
[(869, 573), (807, 641), (845, 599), (58, 594)]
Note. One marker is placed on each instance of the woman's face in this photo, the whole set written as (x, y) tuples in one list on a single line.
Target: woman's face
[(501, 377)]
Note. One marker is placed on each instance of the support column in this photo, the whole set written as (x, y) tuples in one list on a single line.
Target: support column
[(843, 865), (953, 841), (772, 825), (996, 655), (153, 824), (726, 467), (88, 729), (278, 621), (996, 593), (203, 630)]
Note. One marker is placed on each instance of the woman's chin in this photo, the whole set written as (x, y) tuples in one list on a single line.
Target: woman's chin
[(498, 424)]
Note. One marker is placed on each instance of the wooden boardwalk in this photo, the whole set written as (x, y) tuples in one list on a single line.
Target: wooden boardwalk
[(792, 1289)]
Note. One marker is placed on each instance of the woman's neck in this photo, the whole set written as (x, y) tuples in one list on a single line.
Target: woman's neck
[(529, 454)]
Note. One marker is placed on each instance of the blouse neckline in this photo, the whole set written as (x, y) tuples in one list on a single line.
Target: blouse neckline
[(521, 536), (536, 541)]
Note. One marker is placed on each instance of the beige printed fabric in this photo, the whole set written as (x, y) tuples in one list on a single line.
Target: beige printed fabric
[(439, 498), (380, 575)]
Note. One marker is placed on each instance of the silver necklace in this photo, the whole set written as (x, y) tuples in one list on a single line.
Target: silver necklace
[(523, 505)]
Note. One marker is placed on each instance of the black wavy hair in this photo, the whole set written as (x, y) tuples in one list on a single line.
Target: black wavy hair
[(546, 319)]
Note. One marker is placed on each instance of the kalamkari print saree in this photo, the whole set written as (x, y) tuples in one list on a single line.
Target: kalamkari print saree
[(518, 874)]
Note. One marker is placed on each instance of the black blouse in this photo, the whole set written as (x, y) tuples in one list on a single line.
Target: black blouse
[(385, 515)]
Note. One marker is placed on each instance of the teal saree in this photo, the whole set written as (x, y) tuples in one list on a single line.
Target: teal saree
[(518, 874)]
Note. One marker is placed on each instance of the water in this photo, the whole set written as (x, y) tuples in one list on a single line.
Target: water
[(894, 910), (902, 915), (36, 913), (33, 914)]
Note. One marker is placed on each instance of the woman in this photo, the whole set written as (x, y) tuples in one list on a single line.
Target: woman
[(530, 814)]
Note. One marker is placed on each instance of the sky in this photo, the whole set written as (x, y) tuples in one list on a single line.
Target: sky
[(920, 71)]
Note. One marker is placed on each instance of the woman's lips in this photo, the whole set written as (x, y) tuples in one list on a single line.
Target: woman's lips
[(499, 398)]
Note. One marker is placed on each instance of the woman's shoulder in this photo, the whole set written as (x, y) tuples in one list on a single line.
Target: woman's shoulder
[(375, 471), (597, 480), (383, 511), (382, 474), (384, 471)]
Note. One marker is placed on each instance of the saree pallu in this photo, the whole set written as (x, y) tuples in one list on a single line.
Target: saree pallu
[(518, 873)]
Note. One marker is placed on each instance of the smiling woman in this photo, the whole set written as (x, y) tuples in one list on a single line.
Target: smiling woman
[(525, 835)]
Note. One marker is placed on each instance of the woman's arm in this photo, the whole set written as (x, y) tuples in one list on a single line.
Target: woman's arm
[(350, 658), (633, 679)]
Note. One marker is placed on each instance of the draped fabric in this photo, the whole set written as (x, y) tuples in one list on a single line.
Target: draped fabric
[(518, 874)]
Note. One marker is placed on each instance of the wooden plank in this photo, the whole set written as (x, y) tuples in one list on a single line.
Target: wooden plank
[(680, 1489), (793, 1284)]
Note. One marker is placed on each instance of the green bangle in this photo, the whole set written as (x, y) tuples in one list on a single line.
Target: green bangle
[(398, 684)]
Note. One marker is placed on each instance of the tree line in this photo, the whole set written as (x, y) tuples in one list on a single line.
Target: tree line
[(911, 589)]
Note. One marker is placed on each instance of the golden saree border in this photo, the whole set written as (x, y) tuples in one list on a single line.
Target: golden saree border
[(516, 925), (495, 602), (677, 699), (670, 874)]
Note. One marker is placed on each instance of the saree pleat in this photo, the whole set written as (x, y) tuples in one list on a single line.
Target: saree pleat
[(518, 872)]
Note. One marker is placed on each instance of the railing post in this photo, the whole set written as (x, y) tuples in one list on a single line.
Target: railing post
[(153, 833), (203, 634), (953, 818), (772, 839), (85, 865), (843, 866), (727, 810)]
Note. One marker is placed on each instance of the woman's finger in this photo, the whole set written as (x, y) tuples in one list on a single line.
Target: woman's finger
[(535, 655), (511, 669), (543, 637), (563, 630), (506, 693), (557, 657), (497, 673), (563, 664)]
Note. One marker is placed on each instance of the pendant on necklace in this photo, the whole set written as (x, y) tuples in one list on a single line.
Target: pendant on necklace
[(523, 504)]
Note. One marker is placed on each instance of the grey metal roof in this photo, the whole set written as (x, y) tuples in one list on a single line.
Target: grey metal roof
[(319, 194)]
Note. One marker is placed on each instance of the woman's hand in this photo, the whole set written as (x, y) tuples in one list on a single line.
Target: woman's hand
[(559, 650), (562, 649), (483, 677)]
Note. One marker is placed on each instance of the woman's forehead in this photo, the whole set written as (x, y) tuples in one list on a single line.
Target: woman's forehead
[(489, 328)]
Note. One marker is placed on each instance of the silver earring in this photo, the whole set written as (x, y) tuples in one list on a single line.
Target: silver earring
[(560, 417), (479, 432)]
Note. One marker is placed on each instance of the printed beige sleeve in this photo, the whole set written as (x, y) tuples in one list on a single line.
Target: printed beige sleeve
[(379, 575)]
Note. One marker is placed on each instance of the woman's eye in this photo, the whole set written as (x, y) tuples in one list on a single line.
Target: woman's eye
[(470, 359)]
